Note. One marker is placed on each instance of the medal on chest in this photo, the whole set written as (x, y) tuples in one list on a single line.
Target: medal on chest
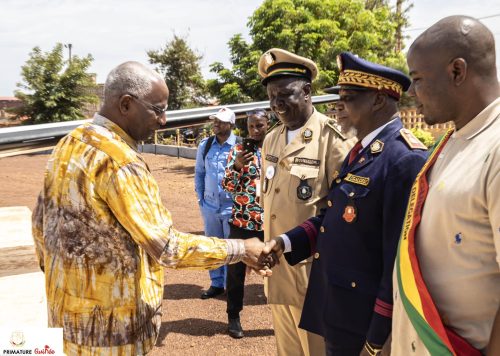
[(350, 212), (304, 190)]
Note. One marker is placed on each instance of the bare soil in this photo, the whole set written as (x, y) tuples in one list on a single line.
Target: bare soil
[(190, 326)]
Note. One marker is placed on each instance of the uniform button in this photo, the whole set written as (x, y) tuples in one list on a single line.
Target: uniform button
[(277, 190), (351, 194), (353, 284), (329, 203), (338, 180), (316, 255), (322, 229), (273, 217)]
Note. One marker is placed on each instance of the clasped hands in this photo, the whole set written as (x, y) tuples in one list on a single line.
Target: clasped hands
[(261, 257)]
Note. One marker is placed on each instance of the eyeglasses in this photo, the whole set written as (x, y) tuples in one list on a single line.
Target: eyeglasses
[(157, 110)]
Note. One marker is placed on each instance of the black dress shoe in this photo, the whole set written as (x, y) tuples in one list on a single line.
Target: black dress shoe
[(234, 328), (212, 292)]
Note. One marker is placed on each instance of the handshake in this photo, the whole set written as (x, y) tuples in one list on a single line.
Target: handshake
[(261, 257)]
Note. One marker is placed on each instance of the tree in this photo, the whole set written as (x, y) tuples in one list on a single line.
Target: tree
[(179, 65), (424, 136), (402, 21), (54, 89), (317, 29)]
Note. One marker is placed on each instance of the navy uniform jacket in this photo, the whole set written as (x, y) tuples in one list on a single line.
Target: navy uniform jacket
[(350, 288)]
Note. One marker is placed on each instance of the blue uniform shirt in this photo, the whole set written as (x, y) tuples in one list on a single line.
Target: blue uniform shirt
[(354, 241), (209, 174)]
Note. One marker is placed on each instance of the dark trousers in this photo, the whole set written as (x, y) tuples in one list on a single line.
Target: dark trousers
[(350, 346), (235, 281)]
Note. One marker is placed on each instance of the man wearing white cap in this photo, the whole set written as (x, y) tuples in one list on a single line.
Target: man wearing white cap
[(215, 203)]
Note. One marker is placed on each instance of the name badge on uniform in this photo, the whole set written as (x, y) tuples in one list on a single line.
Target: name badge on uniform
[(304, 190), (272, 158)]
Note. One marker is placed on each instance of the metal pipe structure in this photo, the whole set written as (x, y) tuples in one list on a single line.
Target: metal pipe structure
[(23, 135)]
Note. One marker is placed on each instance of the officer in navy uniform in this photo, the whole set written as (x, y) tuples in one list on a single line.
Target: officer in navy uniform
[(354, 239)]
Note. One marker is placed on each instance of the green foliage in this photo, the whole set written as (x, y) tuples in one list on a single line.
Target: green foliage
[(241, 83), (53, 89), (238, 132), (179, 65), (317, 29), (424, 136)]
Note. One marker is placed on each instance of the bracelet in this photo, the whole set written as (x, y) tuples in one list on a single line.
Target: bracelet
[(372, 350)]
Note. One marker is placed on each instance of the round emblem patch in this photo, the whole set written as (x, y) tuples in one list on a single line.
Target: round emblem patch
[(270, 172)]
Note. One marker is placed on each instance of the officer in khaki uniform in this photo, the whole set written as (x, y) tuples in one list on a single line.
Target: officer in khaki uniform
[(301, 156)]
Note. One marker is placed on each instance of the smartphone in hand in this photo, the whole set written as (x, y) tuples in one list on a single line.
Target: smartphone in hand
[(249, 145)]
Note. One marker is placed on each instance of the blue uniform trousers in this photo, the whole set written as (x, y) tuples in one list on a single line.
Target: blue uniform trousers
[(216, 225)]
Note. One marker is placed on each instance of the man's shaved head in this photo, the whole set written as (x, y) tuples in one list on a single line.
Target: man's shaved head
[(461, 37), (453, 70)]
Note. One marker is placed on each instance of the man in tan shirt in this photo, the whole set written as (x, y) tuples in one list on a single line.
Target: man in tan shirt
[(457, 243), (301, 157)]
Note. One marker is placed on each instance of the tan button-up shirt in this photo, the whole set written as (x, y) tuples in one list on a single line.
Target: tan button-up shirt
[(458, 239), (314, 155)]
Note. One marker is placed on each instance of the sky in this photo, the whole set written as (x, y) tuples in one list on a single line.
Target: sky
[(115, 31)]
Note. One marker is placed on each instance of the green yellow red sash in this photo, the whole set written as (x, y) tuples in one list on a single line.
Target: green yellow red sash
[(413, 292)]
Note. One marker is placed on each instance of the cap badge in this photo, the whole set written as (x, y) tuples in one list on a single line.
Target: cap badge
[(339, 63), (269, 58)]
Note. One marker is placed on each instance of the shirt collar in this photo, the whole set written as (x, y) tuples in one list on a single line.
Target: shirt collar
[(231, 140), (482, 121), (369, 138), (111, 126), (303, 127)]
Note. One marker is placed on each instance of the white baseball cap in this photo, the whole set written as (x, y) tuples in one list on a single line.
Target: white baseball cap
[(225, 115)]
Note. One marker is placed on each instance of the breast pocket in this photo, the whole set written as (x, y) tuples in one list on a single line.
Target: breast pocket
[(303, 183), (353, 191)]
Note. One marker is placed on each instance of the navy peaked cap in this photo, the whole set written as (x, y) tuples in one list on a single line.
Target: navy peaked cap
[(359, 73)]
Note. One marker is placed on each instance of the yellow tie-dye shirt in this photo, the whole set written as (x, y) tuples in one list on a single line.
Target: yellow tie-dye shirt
[(102, 236)]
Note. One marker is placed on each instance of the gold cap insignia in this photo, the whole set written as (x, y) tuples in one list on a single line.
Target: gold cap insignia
[(339, 63), (268, 57)]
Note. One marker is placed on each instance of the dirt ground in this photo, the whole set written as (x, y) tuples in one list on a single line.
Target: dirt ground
[(190, 326)]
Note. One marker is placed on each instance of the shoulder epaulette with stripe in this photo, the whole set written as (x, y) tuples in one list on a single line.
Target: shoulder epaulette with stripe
[(331, 123), (274, 126), (411, 140)]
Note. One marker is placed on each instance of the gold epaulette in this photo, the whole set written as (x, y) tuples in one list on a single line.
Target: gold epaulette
[(411, 140), (332, 124), (274, 126)]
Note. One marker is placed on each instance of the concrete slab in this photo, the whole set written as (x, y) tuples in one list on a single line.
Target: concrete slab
[(15, 227), (22, 300)]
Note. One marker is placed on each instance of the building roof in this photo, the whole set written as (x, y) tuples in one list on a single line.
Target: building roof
[(9, 98)]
